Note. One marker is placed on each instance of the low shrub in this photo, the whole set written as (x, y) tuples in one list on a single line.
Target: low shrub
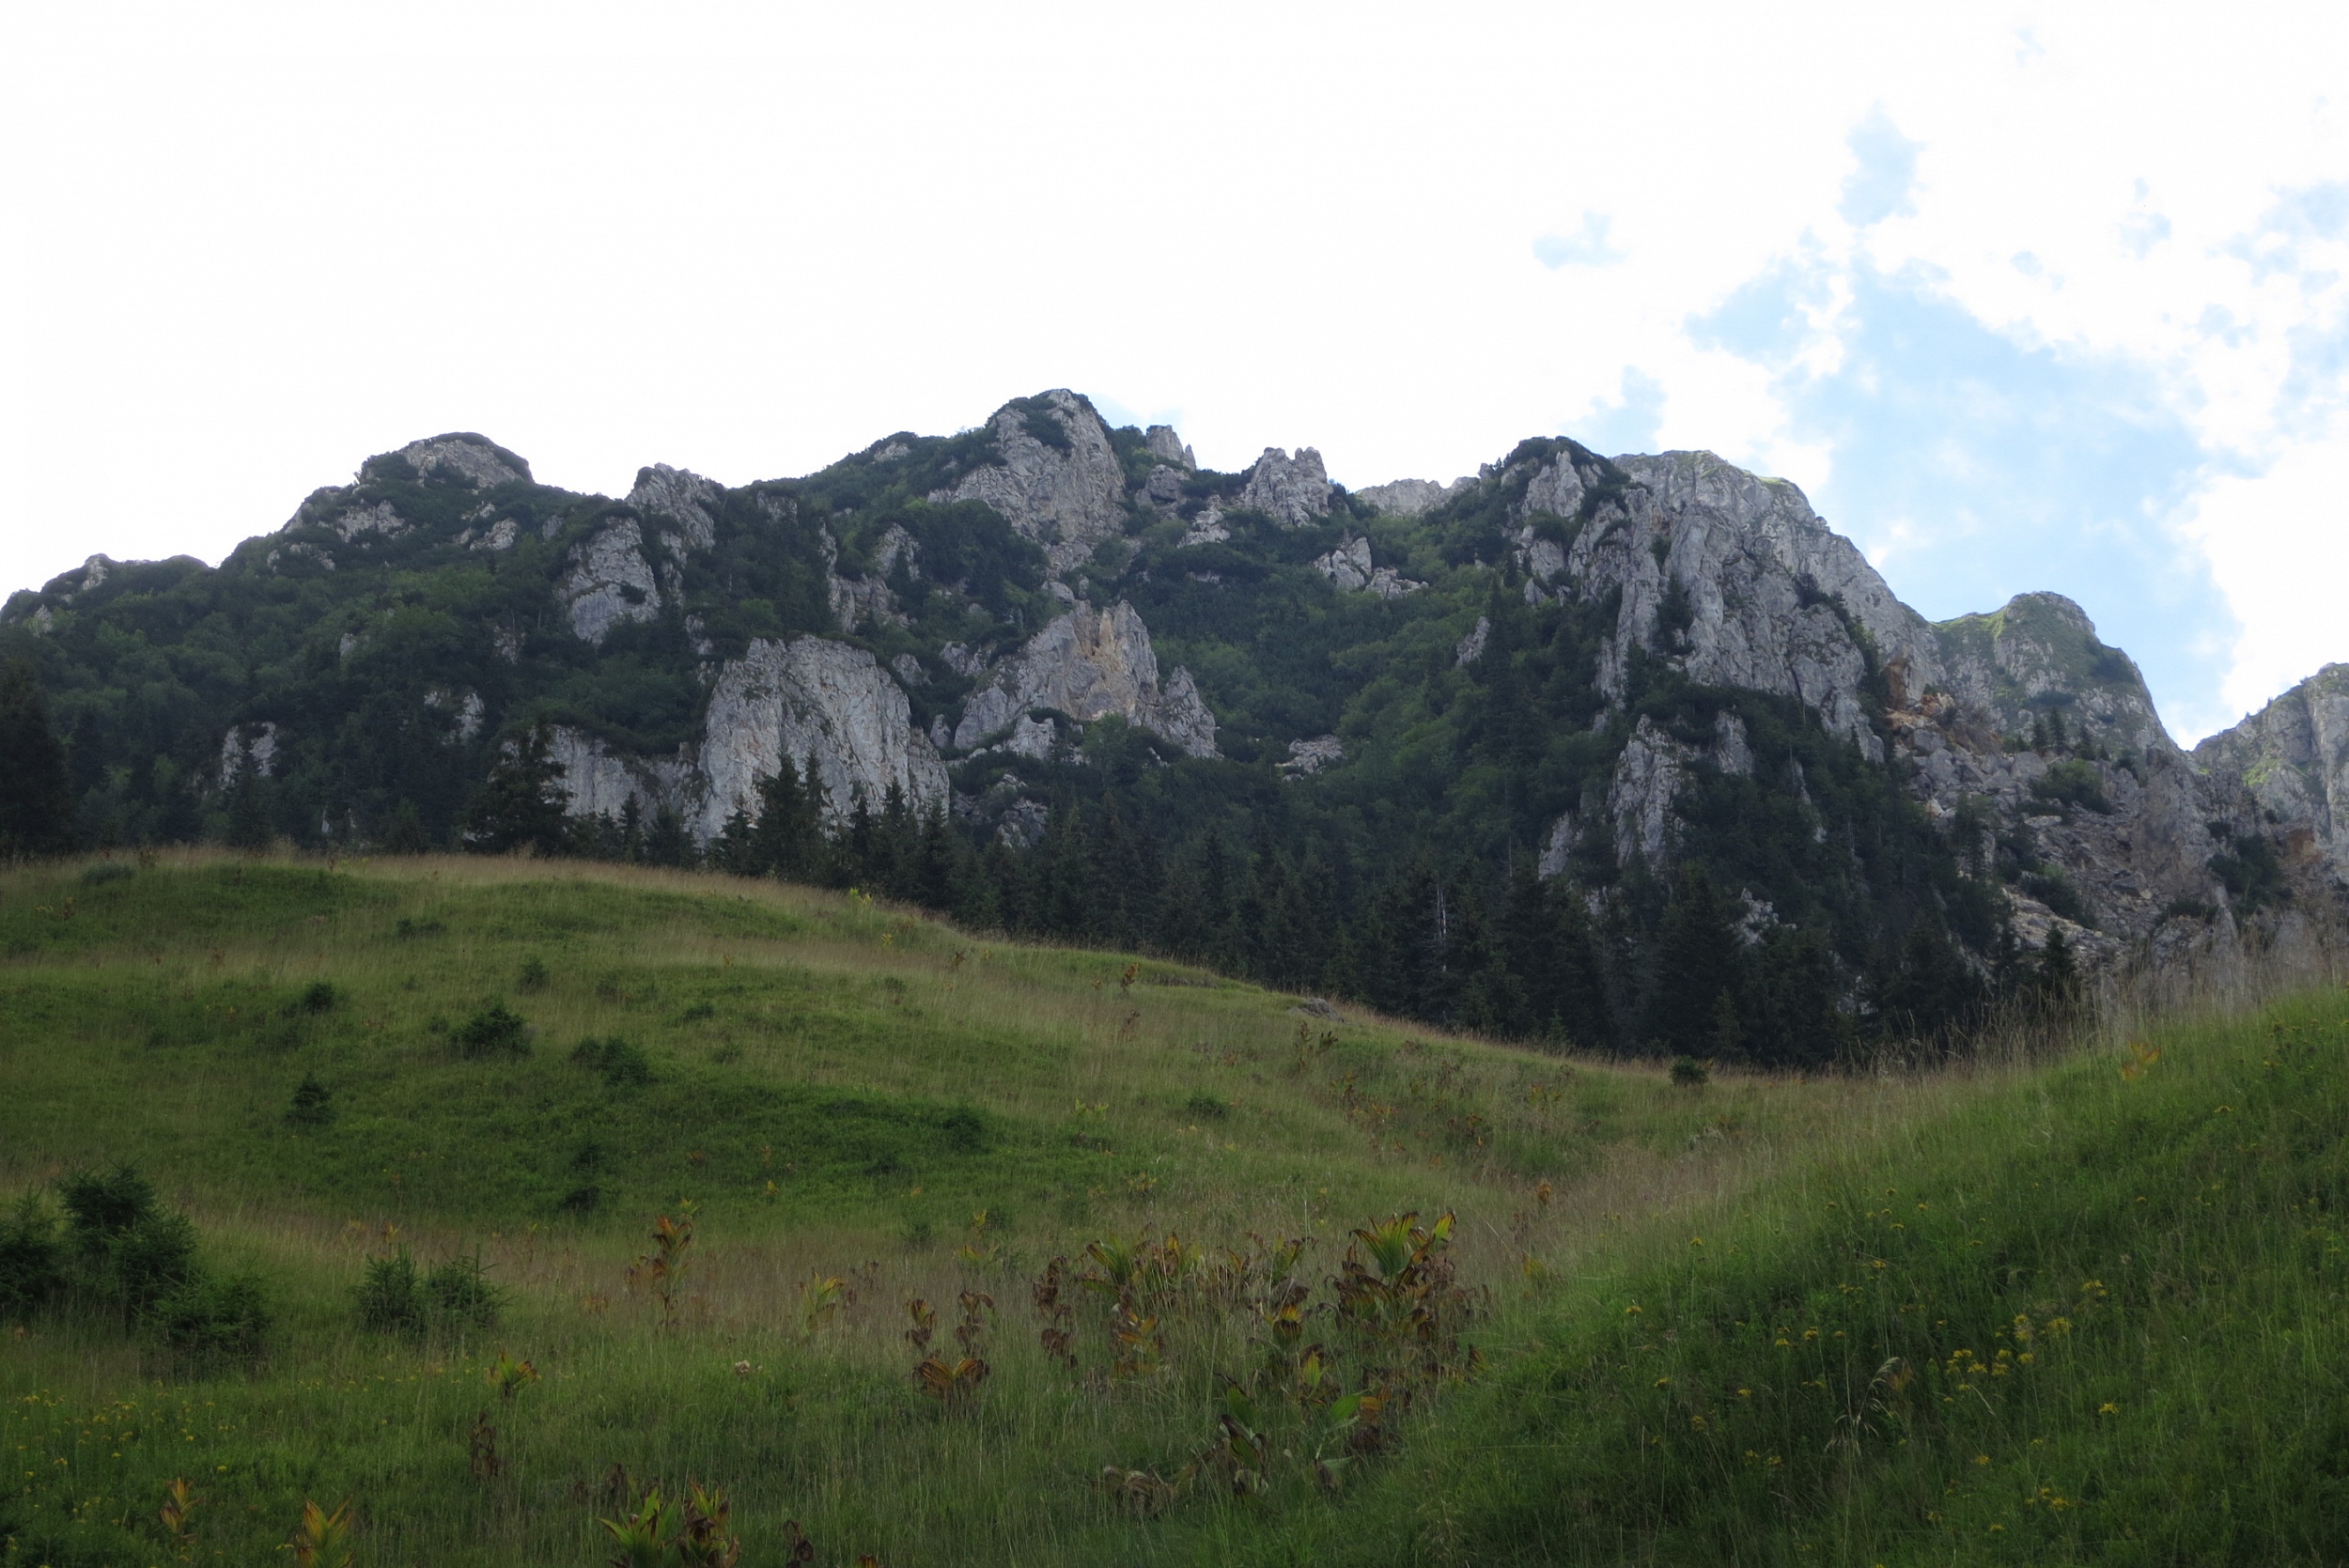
[(1206, 1107), (1690, 1073), (31, 1259), (534, 975), (209, 1319), (495, 1031), (150, 1261), (109, 871), (623, 1066), (320, 996), (101, 1207), (313, 1103), (394, 1297)]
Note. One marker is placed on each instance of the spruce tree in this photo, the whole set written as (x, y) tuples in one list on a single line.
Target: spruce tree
[(1697, 961), (36, 795), (522, 803)]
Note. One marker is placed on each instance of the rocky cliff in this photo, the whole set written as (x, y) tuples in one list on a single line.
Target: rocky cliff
[(1601, 665)]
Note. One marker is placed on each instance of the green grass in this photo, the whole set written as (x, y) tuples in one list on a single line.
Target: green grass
[(844, 1092), (2096, 1316)]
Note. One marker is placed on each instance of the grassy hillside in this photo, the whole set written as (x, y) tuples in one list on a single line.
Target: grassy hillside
[(864, 1110), (2096, 1315), (2087, 1313)]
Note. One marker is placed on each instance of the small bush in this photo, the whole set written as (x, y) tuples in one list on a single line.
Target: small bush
[(409, 928), (320, 996), (2187, 909), (387, 1299), (582, 1200), (495, 1031), (394, 1297), (2055, 890), (623, 1066), (313, 1103), (30, 1260), (963, 1131), (534, 976), (698, 1013), (110, 871), (458, 1296), (99, 1207), (151, 1260), (1206, 1107), (212, 1319), (1690, 1073)]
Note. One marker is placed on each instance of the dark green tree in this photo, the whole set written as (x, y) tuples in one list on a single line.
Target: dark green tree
[(1697, 962), (522, 804), (35, 795)]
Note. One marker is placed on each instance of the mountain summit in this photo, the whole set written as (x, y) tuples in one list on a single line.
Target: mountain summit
[(1504, 751)]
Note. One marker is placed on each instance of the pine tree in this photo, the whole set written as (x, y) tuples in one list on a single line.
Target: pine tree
[(36, 795), (522, 803), (249, 826), (2057, 977), (1697, 958), (403, 830)]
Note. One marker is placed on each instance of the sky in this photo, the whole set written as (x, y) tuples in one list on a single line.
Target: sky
[(2028, 297)]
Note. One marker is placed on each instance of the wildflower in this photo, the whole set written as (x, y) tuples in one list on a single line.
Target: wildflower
[(2107, 1408)]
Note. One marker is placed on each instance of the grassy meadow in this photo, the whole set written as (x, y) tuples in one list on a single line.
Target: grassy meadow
[(1004, 1254)]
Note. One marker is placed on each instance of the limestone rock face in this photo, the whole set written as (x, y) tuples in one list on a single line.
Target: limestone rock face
[(1348, 566), (610, 582), (476, 459), (1162, 444), (2040, 654), (2293, 760), (811, 697), (1292, 491), (379, 519), (248, 746), (1409, 497), (1312, 755), (1758, 573), (1066, 491), (602, 783), (1640, 801), (681, 498), (1089, 664)]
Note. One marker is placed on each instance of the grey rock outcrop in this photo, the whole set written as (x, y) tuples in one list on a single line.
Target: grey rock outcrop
[(1090, 664), (610, 582), (811, 698), (1162, 444), (251, 747), (1410, 498), (1307, 757), (361, 521), (461, 455), (681, 498), (599, 782), (1472, 647), (1350, 568), (1292, 491), (2039, 655), (2292, 759), (1640, 799), (1069, 491)]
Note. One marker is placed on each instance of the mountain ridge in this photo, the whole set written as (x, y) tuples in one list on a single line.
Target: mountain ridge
[(1567, 661)]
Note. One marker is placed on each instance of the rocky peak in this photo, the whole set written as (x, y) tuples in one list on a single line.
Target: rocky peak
[(460, 456), (1292, 491), (2040, 656), (1161, 443), (1056, 479), (680, 497)]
